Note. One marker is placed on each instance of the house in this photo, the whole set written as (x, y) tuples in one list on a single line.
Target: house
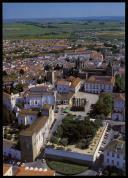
[(72, 84), (33, 138), (98, 84), (9, 149), (27, 116), (75, 84), (7, 170), (119, 107), (114, 154), (10, 100), (64, 99), (37, 96), (63, 86)]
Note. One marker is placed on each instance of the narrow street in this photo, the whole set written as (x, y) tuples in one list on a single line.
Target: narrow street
[(59, 117)]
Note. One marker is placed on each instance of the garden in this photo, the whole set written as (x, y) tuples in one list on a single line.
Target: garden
[(76, 132), (66, 168)]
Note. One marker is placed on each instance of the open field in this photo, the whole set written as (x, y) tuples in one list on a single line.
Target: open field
[(57, 30)]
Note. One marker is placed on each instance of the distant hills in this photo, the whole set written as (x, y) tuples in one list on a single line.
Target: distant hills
[(106, 18)]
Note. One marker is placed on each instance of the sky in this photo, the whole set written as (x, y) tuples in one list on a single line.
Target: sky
[(60, 10)]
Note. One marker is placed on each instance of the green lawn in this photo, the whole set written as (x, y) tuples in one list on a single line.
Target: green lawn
[(66, 168)]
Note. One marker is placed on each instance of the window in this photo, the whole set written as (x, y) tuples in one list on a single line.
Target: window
[(107, 153), (107, 160), (118, 156), (113, 154), (118, 163), (31, 118), (28, 146), (113, 162)]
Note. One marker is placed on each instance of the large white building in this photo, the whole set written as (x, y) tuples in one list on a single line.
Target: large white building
[(119, 107), (98, 84), (33, 138), (114, 154), (37, 96)]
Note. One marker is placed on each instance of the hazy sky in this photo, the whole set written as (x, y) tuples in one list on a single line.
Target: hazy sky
[(49, 10)]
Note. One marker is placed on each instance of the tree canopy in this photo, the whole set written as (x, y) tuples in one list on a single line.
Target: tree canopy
[(103, 105)]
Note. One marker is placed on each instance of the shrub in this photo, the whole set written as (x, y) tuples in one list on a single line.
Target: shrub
[(54, 140), (64, 141), (59, 148)]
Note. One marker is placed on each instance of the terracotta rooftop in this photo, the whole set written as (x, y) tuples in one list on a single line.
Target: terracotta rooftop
[(22, 171), (64, 96), (6, 167), (119, 96), (101, 79), (63, 82), (28, 112), (117, 146), (75, 82)]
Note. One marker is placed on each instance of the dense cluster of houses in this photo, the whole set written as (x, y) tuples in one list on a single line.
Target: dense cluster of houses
[(88, 69)]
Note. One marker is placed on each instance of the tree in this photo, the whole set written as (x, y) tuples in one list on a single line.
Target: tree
[(22, 72), (20, 105), (54, 140), (18, 88), (119, 83), (104, 105), (59, 132), (5, 73)]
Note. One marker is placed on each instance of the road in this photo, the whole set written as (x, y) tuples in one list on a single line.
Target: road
[(59, 117)]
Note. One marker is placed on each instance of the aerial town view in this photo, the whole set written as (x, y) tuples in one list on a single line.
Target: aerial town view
[(64, 89)]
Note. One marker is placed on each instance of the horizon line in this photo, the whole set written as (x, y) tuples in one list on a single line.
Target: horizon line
[(60, 17)]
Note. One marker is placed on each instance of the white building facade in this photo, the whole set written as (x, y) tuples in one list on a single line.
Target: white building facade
[(98, 84), (63, 87), (27, 119), (119, 107), (114, 154)]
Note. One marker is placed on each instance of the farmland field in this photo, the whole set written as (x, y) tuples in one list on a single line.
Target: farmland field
[(58, 30)]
